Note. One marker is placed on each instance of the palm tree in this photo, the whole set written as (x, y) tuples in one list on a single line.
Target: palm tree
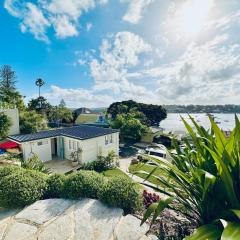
[(39, 82)]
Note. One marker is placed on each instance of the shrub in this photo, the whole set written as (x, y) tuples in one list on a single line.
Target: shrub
[(83, 184), (55, 184), (123, 193), (102, 163), (34, 163), (8, 170), (5, 124), (22, 188)]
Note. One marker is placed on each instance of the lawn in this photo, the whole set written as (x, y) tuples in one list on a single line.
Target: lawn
[(114, 172), (144, 167), (87, 118)]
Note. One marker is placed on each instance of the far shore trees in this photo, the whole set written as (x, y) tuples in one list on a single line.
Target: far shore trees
[(153, 113)]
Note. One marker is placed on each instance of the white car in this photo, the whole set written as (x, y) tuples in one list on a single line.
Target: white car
[(157, 151)]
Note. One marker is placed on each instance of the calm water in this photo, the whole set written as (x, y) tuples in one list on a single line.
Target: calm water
[(174, 124)]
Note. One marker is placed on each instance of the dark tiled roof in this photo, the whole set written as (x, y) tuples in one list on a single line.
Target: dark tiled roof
[(81, 132)]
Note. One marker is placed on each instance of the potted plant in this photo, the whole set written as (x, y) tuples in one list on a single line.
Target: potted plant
[(76, 157)]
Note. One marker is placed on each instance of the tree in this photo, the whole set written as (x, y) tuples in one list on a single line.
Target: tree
[(131, 128), (153, 113), (8, 92), (60, 114), (39, 82), (5, 124), (62, 104), (39, 104), (31, 122)]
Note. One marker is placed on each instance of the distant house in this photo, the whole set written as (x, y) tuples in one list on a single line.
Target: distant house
[(82, 110), (60, 143), (149, 136), (13, 115)]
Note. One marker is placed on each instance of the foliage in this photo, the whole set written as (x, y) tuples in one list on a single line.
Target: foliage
[(83, 184), (204, 179), (60, 115), (114, 172), (131, 128), (21, 187), (34, 163), (55, 186), (31, 122), (5, 124), (153, 113), (39, 104), (149, 198), (76, 155), (123, 193), (102, 163), (8, 170)]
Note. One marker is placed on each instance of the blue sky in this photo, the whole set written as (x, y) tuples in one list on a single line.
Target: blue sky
[(94, 52)]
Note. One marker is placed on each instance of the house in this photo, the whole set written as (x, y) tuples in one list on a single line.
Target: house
[(60, 143)]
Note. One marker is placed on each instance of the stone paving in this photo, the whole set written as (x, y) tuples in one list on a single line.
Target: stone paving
[(59, 219)]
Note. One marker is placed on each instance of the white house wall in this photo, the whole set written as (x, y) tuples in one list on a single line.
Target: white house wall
[(43, 151), (91, 148)]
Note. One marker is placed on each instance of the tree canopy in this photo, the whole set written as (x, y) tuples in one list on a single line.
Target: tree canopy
[(5, 124), (153, 113)]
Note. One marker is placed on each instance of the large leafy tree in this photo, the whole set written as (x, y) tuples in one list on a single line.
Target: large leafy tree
[(60, 114), (8, 91), (131, 128), (40, 105), (153, 113), (5, 124), (31, 121)]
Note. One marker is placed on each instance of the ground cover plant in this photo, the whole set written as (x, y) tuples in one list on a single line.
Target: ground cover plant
[(204, 180)]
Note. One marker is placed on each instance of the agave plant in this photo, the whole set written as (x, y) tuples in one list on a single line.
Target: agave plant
[(204, 180)]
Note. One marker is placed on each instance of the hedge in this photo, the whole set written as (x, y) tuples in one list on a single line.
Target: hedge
[(20, 187), (83, 184), (123, 193)]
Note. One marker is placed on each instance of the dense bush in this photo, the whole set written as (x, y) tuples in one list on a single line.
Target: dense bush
[(123, 193), (7, 170), (34, 163), (55, 184), (21, 187), (102, 163), (83, 184)]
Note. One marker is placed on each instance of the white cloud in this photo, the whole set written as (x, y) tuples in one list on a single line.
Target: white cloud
[(62, 15), (204, 73), (135, 10), (35, 22), (78, 97)]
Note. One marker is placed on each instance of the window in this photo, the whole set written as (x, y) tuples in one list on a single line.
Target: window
[(70, 144), (43, 142), (74, 145), (106, 140), (78, 145), (111, 138)]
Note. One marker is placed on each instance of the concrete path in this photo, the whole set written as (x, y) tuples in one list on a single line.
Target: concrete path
[(59, 219)]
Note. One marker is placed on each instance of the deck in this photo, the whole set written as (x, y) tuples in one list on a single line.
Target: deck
[(60, 166)]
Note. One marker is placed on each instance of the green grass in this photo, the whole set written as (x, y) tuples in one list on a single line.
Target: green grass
[(114, 172), (87, 118), (143, 167)]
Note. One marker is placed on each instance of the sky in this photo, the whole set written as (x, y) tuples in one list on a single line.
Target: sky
[(95, 52)]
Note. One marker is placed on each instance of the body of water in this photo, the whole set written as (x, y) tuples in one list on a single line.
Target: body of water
[(174, 124)]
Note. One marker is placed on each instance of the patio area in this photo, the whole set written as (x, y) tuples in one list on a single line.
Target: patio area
[(60, 166)]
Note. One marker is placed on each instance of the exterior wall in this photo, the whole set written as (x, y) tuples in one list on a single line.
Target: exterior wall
[(14, 116), (43, 151), (91, 148)]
